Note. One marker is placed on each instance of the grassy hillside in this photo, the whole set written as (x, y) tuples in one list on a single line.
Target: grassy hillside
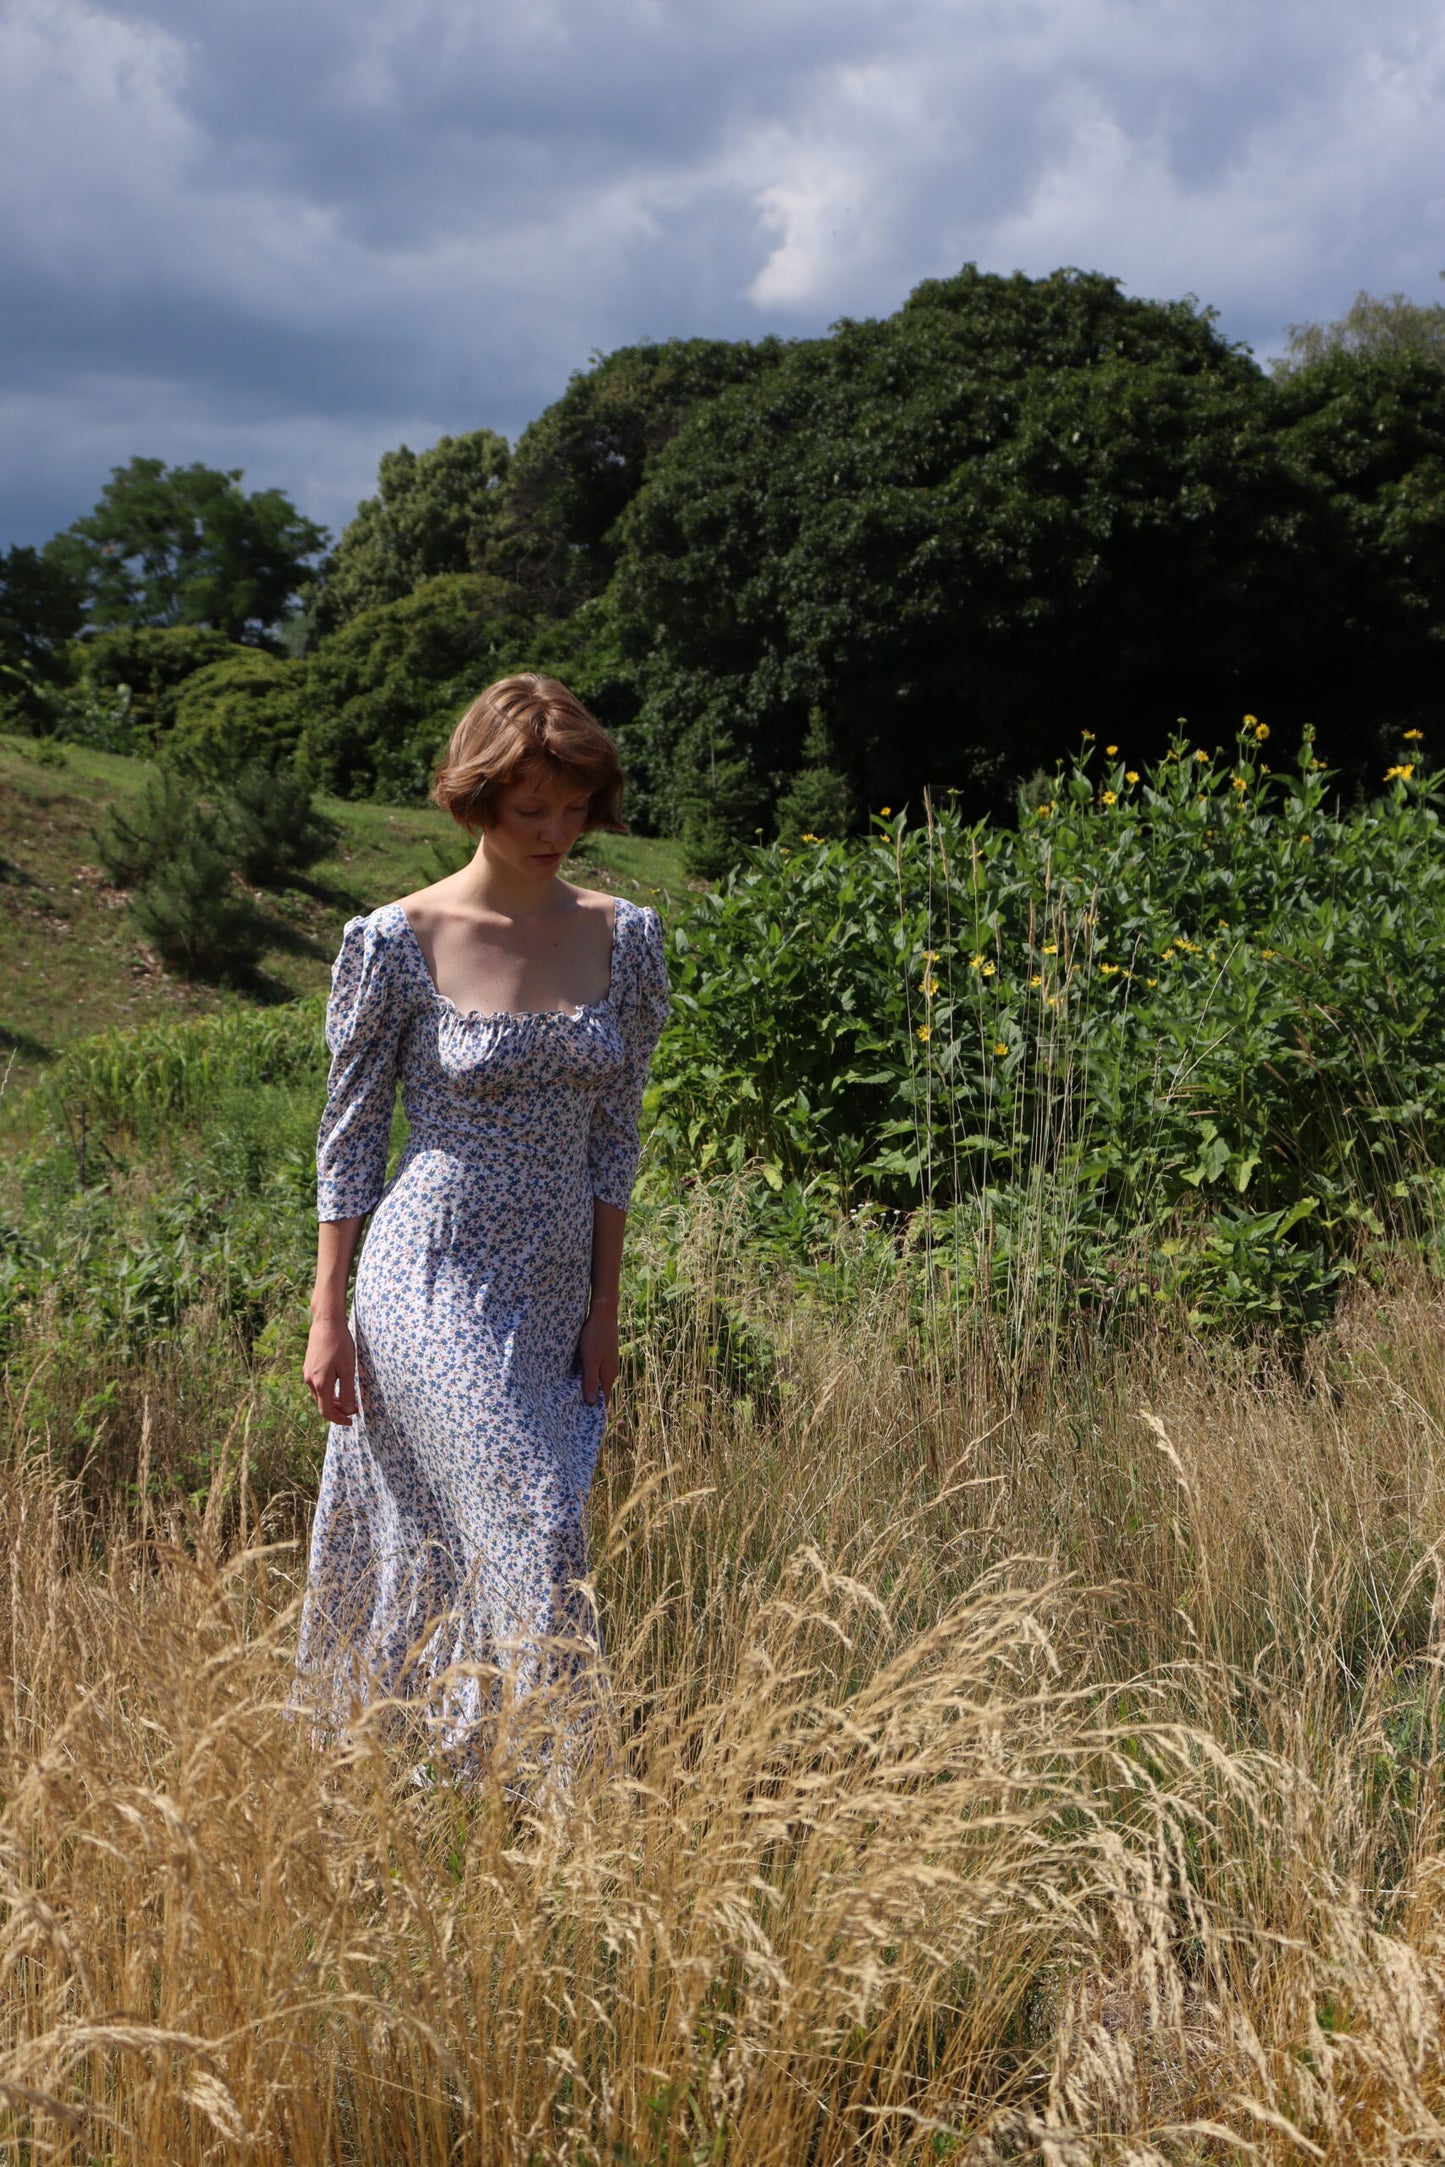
[(71, 962)]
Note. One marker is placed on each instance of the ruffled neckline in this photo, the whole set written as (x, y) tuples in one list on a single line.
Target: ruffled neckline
[(516, 1015)]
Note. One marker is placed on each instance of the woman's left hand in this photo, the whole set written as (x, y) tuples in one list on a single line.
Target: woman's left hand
[(597, 1351)]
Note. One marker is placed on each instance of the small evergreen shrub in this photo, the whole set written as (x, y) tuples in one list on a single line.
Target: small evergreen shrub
[(271, 826), (174, 853)]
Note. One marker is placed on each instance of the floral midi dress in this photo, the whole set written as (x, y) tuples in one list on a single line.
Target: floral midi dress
[(449, 1536)]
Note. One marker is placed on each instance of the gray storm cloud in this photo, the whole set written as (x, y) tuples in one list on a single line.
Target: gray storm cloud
[(287, 237)]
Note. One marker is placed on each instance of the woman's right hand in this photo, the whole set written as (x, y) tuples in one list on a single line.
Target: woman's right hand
[(330, 1369)]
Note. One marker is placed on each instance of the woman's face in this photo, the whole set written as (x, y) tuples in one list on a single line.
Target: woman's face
[(536, 820)]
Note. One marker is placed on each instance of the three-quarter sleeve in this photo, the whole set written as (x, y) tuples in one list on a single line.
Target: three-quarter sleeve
[(365, 1016), (612, 1145)]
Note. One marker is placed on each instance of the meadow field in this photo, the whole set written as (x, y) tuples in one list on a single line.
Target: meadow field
[(1017, 1544)]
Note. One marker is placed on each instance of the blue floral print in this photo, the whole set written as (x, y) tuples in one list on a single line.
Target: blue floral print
[(449, 1527)]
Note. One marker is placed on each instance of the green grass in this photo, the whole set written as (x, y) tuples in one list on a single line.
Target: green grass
[(72, 963)]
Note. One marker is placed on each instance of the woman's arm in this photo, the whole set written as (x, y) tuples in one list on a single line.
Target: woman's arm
[(330, 1367), (597, 1346)]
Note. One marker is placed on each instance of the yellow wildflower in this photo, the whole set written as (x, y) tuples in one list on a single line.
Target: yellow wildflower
[(928, 986), (1111, 797), (1053, 1000), (1132, 775), (809, 838), (1089, 736), (885, 810), (988, 970), (1268, 954), (930, 955), (1043, 811), (975, 963), (1404, 772), (999, 1047), (1036, 980), (1108, 970), (1201, 755), (1224, 922), (1414, 737), (1238, 782), (1261, 732), (1051, 948), (925, 1032), (1111, 750), (1151, 981)]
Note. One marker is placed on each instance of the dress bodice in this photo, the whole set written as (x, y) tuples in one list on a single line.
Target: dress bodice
[(544, 1087)]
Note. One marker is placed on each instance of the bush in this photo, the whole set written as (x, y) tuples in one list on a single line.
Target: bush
[(271, 827), (380, 695), (1179, 1031), (170, 849), (238, 713), (154, 661)]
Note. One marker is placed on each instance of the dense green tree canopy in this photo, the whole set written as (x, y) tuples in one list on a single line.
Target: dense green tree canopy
[(381, 694), (580, 464), (434, 512), (1015, 509), (41, 609), (187, 545)]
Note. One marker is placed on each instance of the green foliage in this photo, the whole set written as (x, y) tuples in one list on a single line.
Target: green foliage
[(1178, 1033), (187, 545), (380, 696), (580, 464), (434, 512), (152, 663), (41, 608), (1385, 326), (237, 713), (144, 1081), (173, 852), (816, 800), (271, 828), (1014, 508)]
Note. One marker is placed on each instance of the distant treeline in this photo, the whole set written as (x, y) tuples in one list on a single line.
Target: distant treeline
[(799, 578)]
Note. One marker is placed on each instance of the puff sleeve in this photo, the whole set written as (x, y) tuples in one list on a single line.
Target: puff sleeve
[(365, 1016), (612, 1144)]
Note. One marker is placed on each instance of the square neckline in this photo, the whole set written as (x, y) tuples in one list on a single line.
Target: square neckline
[(513, 1015)]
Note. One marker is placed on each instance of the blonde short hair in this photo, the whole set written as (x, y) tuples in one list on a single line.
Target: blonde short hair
[(521, 725)]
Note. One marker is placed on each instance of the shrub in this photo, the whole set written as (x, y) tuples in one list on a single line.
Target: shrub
[(1178, 1030), (170, 849), (236, 714), (192, 911), (271, 827), (381, 694), (155, 661)]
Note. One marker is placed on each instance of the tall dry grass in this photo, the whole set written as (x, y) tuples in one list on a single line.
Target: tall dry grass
[(1003, 1767)]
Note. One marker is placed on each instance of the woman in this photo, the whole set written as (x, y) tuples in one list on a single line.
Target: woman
[(468, 1398)]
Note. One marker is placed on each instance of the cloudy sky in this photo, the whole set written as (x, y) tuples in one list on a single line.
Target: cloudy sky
[(286, 234)]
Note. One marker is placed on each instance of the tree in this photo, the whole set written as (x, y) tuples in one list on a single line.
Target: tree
[(380, 694), (580, 464), (434, 512), (1013, 508), (41, 610), (187, 545), (1375, 327), (1016, 509)]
